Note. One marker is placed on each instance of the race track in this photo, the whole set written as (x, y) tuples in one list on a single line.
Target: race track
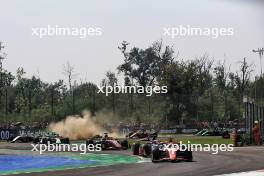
[(205, 164)]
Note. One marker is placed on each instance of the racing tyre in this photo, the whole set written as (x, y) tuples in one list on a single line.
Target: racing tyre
[(36, 140), (147, 150), (155, 155), (65, 141), (124, 144), (44, 141), (135, 149), (89, 141), (188, 155)]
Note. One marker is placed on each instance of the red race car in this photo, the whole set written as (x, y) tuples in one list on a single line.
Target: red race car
[(162, 152), (108, 143), (168, 152)]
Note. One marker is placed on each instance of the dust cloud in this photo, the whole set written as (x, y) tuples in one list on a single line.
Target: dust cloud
[(83, 127)]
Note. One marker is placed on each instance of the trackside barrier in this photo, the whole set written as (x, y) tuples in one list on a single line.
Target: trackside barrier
[(252, 113)]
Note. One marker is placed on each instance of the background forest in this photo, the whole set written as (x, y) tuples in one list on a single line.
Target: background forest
[(200, 88)]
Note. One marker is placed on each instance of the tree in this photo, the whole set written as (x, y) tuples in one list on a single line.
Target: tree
[(7, 82), (221, 80), (68, 71), (111, 80), (182, 80), (2, 57), (204, 67), (221, 76), (144, 65), (20, 91), (32, 87), (55, 90), (242, 80)]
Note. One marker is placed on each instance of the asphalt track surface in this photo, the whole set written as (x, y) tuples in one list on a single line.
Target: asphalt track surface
[(205, 164)]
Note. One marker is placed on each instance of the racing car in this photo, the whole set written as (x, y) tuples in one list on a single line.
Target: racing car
[(167, 152), (52, 139), (143, 135), (108, 143), (142, 149), (22, 139), (161, 151), (215, 132)]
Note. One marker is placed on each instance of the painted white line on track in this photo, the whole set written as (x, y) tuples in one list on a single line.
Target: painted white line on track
[(250, 173)]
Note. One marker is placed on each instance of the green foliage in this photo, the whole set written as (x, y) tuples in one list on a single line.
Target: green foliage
[(197, 89)]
